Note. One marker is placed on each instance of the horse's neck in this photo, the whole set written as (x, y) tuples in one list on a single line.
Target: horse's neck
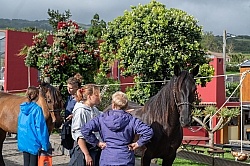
[(42, 103)]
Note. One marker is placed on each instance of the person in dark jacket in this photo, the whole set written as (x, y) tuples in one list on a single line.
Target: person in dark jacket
[(32, 131), (73, 84), (117, 129)]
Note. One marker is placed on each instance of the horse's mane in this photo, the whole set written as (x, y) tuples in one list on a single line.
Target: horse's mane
[(160, 106), (45, 87)]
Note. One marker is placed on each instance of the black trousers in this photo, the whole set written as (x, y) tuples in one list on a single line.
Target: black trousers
[(77, 158), (30, 159)]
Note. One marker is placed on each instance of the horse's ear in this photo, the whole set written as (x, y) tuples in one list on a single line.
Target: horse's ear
[(44, 86), (177, 70), (195, 70)]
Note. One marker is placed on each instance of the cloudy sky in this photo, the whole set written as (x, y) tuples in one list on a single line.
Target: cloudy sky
[(213, 15)]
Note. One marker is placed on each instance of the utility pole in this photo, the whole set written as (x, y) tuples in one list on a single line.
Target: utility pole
[(225, 37), (28, 76), (224, 51)]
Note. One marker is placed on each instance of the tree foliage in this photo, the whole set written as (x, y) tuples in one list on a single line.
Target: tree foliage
[(210, 43), (72, 51), (148, 41), (55, 17), (109, 86), (97, 27)]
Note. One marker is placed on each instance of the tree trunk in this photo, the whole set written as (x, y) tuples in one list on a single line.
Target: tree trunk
[(211, 138)]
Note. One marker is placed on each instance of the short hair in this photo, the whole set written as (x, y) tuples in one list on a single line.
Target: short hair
[(120, 100), (32, 93)]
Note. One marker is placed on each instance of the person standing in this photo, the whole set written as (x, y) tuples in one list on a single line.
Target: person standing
[(117, 129), (84, 154), (73, 84), (32, 131)]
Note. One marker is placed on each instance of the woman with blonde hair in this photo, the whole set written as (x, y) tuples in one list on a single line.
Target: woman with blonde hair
[(83, 153), (117, 129)]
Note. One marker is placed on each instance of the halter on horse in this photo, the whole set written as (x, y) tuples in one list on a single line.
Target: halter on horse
[(167, 112)]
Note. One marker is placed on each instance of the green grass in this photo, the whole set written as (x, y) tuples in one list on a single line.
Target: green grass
[(232, 72), (184, 162), (244, 40)]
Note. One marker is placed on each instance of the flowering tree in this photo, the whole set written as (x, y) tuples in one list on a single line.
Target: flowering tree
[(73, 51)]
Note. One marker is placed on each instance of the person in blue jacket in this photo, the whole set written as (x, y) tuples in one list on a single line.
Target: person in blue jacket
[(32, 131), (117, 129)]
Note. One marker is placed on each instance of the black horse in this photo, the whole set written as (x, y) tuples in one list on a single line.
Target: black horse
[(167, 112)]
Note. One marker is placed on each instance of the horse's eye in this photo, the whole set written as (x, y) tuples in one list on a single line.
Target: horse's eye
[(48, 101)]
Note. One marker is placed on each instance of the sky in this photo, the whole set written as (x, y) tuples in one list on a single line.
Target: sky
[(213, 15)]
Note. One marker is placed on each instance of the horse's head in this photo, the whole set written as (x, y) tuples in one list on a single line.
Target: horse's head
[(184, 93), (53, 103)]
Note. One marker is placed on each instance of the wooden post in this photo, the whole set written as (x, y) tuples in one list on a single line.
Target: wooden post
[(46, 79)]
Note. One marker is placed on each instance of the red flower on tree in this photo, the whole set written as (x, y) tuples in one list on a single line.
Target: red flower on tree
[(64, 25)]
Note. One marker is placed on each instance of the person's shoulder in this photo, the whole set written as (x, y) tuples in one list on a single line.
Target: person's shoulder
[(79, 107), (96, 109), (35, 104), (38, 107), (128, 114), (104, 114), (24, 103)]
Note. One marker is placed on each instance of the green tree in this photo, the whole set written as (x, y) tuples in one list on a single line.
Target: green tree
[(209, 43), (97, 27), (55, 17), (108, 87), (31, 29), (237, 58), (148, 41), (224, 116)]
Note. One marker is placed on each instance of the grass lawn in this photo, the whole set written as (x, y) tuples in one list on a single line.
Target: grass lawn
[(184, 162)]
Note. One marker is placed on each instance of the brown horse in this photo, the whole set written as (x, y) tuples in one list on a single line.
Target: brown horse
[(50, 100), (167, 112)]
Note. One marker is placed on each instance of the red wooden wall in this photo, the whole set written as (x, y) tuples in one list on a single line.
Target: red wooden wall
[(16, 73)]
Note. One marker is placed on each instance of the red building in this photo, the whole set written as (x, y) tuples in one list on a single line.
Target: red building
[(16, 76), (214, 94)]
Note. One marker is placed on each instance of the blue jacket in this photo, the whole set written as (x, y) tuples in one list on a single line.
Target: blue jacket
[(32, 131), (117, 128)]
